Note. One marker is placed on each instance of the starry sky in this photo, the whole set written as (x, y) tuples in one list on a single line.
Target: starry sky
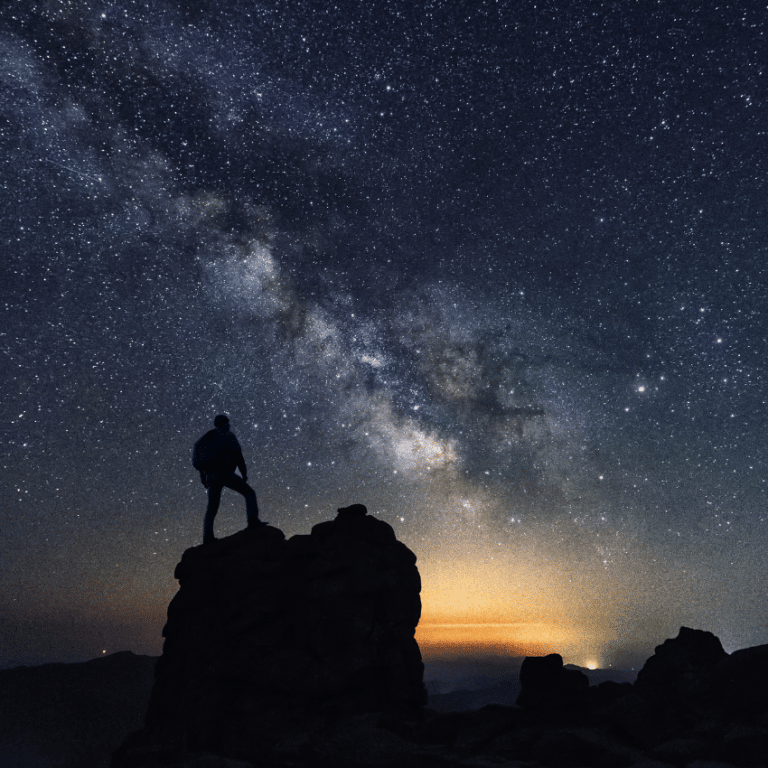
[(495, 269)]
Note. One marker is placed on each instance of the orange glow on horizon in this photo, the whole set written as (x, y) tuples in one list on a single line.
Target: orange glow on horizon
[(511, 607), (483, 593), (517, 639)]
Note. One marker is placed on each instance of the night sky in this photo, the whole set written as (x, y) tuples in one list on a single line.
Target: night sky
[(497, 270)]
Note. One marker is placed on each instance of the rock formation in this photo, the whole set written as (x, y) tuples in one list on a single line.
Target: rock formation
[(269, 639), (691, 652), (691, 702), (547, 685)]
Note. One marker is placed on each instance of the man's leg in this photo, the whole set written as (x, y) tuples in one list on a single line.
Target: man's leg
[(214, 497), (236, 483)]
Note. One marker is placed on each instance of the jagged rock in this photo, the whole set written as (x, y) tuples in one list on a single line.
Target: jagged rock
[(693, 700), (688, 699), (692, 651), (267, 637), (547, 685), (673, 692)]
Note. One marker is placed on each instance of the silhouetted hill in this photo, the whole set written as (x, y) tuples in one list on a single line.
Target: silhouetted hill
[(72, 715), (502, 691)]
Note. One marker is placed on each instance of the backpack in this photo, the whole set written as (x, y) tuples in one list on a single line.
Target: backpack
[(207, 454)]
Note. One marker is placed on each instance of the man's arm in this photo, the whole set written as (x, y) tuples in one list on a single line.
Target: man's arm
[(237, 455), (241, 466)]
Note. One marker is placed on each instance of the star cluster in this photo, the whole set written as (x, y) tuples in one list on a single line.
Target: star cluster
[(495, 270)]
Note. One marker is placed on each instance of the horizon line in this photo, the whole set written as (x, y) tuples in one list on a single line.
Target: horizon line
[(480, 624)]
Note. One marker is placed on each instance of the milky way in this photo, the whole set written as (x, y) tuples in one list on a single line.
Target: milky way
[(497, 273)]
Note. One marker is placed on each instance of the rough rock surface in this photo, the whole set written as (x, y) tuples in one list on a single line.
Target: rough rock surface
[(269, 640)]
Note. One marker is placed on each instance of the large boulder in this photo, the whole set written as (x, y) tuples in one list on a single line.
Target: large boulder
[(693, 651), (547, 685), (692, 700), (269, 638)]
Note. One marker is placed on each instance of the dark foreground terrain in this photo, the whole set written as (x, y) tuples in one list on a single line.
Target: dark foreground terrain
[(691, 712), (72, 715), (300, 653)]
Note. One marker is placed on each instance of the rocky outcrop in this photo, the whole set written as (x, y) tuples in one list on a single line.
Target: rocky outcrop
[(269, 640), (691, 702), (548, 686), (674, 690), (693, 651)]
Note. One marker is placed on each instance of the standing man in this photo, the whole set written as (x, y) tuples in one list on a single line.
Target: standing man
[(216, 455)]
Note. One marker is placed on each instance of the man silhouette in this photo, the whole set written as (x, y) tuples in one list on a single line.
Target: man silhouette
[(223, 456)]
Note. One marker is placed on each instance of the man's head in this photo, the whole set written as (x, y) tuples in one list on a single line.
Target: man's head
[(221, 422)]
